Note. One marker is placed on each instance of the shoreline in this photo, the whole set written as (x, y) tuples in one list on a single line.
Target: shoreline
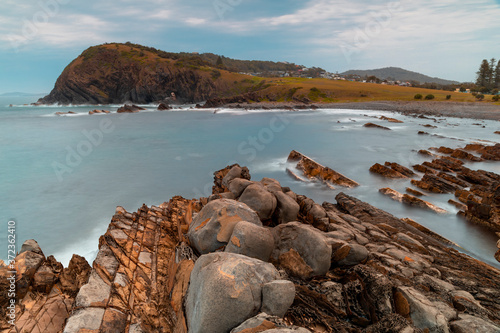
[(476, 110)]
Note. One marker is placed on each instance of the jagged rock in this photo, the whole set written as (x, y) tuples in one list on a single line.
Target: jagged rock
[(401, 169), (44, 279), (414, 192), (385, 171), (259, 323), (129, 108), (468, 323), (222, 284), (457, 204), (376, 126), (422, 312), (433, 183), (27, 263), (393, 194), (32, 246), (93, 294), (309, 243), (391, 120), (260, 200), (75, 275), (277, 297), (312, 169), (416, 202), (350, 255), (461, 154), (251, 240), (211, 229), (392, 323), (85, 320), (287, 209), (98, 112)]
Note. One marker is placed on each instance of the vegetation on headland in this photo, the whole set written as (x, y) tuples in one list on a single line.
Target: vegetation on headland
[(117, 73)]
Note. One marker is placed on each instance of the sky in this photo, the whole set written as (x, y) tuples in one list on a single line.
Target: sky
[(445, 38)]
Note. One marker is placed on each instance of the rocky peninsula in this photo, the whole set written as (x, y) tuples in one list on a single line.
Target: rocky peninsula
[(257, 257)]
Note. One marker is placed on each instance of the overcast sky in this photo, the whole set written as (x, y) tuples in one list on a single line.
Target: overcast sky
[(444, 38)]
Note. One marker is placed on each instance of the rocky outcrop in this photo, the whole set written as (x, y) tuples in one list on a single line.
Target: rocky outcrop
[(312, 169), (118, 73), (386, 171), (98, 111), (343, 267), (372, 125), (411, 200), (130, 108), (391, 120)]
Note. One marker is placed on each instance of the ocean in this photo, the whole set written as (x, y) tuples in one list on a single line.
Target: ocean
[(61, 177)]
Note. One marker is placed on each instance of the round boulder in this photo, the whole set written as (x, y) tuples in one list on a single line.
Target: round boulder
[(287, 209), (212, 228), (350, 255), (225, 289), (310, 243), (251, 240), (260, 200), (277, 297)]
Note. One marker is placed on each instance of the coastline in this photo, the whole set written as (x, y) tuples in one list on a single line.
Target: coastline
[(477, 110)]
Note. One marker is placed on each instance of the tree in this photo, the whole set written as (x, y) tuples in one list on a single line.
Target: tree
[(219, 62), (492, 74), (497, 75), (463, 89), (483, 74)]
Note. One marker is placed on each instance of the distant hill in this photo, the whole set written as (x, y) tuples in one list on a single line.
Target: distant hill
[(399, 74), (20, 94)]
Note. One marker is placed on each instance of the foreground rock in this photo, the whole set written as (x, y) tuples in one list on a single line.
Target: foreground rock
[(312, 169), (225, 290), (339, 267)]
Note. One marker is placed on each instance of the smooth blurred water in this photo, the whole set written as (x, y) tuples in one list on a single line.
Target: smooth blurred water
[(149, 157)]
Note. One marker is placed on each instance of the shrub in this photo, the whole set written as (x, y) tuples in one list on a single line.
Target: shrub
[(496, 98), (216, 74), (418, 96), (479, 97), (429, 97), (448, 96), (474, 93)]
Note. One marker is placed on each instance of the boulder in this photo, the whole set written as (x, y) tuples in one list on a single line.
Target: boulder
[(234, 172), (277, 297), (287, 209), (260, 200), (251, 240), (350, 255), (84, 320), (238, 185), (164, 107), (225, 289), (212, 228), (468, 323), (310, 243), (27, 263), (423, 312)]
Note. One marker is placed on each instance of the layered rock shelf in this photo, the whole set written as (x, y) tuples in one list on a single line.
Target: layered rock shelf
[(257, 257), (312, 169)]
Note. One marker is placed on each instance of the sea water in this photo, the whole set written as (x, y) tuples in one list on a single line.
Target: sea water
[(61, 177)]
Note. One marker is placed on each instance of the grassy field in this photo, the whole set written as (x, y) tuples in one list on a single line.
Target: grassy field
[(331, 91)]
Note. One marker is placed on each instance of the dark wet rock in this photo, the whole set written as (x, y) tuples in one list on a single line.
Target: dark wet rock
[(164, 107), (219, 176)]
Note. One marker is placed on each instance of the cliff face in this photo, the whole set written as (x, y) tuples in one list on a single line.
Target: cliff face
[(117, 73)]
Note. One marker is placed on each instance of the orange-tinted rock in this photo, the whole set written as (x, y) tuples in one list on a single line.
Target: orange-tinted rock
[(401, 169), (312, 169), (385, 171), (372, 125)]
